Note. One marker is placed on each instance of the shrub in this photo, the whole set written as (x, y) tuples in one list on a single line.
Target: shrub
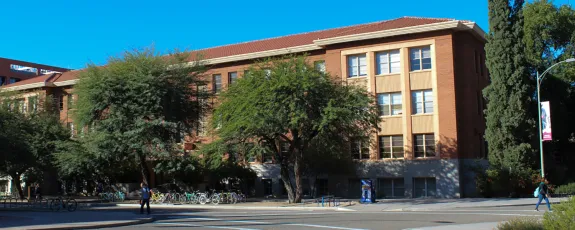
[(521, 224), (562, 217), (568, 188)]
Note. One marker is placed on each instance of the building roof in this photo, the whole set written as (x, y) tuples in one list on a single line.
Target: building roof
[(308, 38), (295, 43)]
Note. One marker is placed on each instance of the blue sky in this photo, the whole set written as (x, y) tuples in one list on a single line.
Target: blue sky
[(71, 33)]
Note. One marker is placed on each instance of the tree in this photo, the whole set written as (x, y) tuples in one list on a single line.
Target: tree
[(510, 126), (47, 133), (140, 104), (550, 38), (17, 156), (287, 101)]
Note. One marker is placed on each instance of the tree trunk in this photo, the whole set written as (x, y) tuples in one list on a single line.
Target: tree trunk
[(144, 169), (284, 172), (297, 176), (17, 183)]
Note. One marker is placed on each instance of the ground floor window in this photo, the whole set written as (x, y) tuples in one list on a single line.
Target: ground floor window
[(424, 187), (321, 187), (390, 188), (267, 187)]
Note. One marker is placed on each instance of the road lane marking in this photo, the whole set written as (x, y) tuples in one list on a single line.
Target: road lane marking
[(266, 223), (467, 213), (323, 226), (207, 226)]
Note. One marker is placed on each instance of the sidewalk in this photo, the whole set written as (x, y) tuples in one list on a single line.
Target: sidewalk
[(244, 206), (439, 204), (69, 220), (476, 226)]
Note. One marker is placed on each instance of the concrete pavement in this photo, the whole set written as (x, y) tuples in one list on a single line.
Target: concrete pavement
[(443, 204), (484, 218), (70, 220)]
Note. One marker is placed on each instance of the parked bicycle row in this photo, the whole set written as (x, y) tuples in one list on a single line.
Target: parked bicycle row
[(54, 204), (197, 197)]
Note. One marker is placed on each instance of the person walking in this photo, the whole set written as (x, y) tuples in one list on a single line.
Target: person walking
[(146, 194), (38, 192), (543, 194)]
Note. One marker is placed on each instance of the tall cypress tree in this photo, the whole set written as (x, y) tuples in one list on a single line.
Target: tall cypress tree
[(509, 122)]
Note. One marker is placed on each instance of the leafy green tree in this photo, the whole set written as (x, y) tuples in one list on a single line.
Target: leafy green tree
[(288, 101), (510, 126), (550, 38), (16, 154), (141, 103)]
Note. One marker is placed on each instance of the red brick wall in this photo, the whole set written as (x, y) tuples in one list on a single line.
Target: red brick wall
[(469, 61)]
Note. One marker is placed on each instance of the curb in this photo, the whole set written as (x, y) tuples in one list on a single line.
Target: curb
[(244, 208), (96, 226)]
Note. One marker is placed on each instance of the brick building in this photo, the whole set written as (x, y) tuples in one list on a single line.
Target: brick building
[(12, 71), (427, 75)]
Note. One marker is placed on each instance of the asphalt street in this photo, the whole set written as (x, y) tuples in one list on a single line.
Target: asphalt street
[(254, 219)]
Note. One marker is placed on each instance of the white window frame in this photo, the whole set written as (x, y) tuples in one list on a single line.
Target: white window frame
[(392, 146), (425, 145), (217, 87), (354, 61), (381, 102), (422, 100), (419, 58), (384, 59)]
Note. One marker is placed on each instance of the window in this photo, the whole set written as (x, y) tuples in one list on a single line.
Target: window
[(320, 66), (391, 147), (420, 58), (284, 148), (390, 188), (321, 187), (14, 80), (422, 101), (70, 126), (268, 188), (268, 73), (217, 83), (32, 104), (232, 77), (70, 100), (357, 65), (476, 60), (388, 62), (482, 63), (424, 187), (389, 104), (424, 145), (2, 80), (61, 102), (359, 150)]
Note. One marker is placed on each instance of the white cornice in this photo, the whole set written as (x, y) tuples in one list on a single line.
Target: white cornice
[(267, 53), (475, 28), (66, 83), (388, 33)]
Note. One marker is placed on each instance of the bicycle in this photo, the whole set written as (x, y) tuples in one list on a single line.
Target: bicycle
[(205, 198), (60, 203)]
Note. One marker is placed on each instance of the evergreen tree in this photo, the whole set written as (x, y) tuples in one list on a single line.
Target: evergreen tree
[(510, 94)]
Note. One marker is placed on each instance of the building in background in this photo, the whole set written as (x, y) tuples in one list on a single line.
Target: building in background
[(12, 71), (426, 74)]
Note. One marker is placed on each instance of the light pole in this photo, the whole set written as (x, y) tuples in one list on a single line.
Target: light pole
[(539, 79)]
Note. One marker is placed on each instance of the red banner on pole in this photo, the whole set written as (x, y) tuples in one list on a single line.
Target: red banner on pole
[(546, 121)]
